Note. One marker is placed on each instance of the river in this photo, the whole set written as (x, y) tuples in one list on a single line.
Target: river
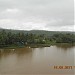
[(21, 61)]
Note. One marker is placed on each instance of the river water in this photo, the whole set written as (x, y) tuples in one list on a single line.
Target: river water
[(21, 61)]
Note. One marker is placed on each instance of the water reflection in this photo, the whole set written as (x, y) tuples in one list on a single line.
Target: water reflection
[(19, 51), (65, 46), (36, 60)]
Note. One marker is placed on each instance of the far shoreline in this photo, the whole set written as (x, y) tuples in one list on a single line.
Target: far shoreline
[(36, 45)]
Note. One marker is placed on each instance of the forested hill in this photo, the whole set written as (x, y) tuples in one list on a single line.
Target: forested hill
[(37, 32), (23, 38)]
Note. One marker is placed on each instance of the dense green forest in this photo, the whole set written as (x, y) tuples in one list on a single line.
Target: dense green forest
[(23, 38)]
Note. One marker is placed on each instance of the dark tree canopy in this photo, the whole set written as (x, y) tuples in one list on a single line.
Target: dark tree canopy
[(21, 38)]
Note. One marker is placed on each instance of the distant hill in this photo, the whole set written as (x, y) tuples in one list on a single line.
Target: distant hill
[(38, 32)]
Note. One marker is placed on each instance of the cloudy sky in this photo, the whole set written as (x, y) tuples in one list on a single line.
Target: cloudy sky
[(37, 14)]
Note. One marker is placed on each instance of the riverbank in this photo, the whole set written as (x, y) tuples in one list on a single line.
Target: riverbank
[(11, 46), (36, 45), (29, 45)]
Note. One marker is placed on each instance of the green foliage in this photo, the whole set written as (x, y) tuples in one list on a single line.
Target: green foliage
[(22, 39), (64, 38)]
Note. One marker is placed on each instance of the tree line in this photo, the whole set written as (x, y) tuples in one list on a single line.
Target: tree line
[(19, 39)]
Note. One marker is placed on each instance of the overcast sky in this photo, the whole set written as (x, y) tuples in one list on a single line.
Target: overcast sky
[(37, 14)]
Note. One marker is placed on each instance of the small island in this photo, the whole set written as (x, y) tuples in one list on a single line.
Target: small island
[(15, 38)]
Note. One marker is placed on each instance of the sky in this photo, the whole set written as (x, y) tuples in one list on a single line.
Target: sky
[(51, 15)]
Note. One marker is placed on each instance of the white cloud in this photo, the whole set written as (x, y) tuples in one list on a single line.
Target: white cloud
[(37, 14), (12, 10), (21, 25), (6, 21)]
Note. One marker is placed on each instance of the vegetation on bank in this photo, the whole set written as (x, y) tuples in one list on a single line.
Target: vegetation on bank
[(21, 39)]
